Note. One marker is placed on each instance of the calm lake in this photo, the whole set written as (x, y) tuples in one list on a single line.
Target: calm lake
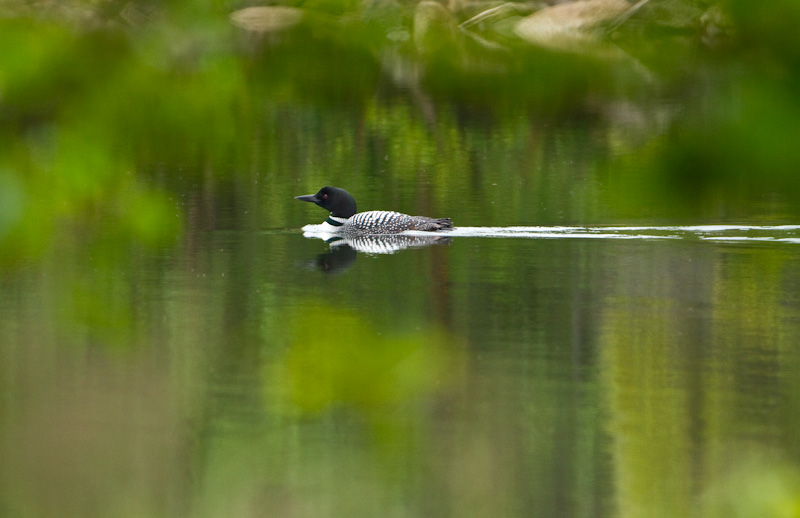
[(585, 343)]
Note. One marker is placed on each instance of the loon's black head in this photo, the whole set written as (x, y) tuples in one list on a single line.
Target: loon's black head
[(337, 201)]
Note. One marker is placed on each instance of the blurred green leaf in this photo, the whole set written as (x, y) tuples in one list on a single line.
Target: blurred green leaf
[(334, 358)]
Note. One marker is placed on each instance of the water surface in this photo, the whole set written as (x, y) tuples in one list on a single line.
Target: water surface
[(236, 374)]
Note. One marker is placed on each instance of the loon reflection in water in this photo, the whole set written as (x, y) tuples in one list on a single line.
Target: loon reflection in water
[(387, 244), (344, 250)]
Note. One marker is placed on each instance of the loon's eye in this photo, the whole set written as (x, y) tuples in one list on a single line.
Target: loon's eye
[(324, 196)]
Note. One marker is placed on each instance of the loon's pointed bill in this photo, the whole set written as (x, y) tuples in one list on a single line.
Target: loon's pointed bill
[(345, 220)]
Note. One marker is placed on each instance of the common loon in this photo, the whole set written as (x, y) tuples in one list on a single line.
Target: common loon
[(345, 220)]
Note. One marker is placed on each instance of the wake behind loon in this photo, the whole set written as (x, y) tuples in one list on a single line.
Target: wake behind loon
[(345, 220)]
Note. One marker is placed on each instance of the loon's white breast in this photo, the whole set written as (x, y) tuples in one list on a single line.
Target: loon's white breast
[(322, 228)]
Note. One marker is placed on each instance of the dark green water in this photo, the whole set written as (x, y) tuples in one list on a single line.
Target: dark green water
[(230, 375)]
